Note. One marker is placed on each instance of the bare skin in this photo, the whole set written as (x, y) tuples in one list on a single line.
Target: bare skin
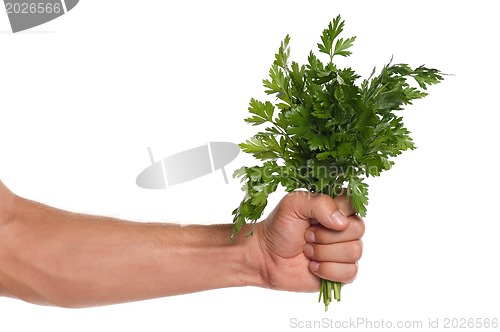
[(54, 257)]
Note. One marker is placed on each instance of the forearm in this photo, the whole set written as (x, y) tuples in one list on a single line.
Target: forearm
[(50, 256)]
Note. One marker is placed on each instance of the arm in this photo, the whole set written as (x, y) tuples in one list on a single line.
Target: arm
[(54, 257), (50, 256)]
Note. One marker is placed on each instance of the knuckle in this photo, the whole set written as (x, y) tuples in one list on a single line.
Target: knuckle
[(322, 199), (341, 199), (358, 229), (356, 250), (295, 196), (351, 272), (290, 196)]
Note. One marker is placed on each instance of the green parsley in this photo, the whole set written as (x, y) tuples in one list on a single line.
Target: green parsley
[(324, 132)]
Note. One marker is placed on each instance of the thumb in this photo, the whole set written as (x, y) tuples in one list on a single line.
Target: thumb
[(319, 207)]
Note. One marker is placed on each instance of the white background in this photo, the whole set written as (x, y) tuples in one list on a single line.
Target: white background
[(82, 97)]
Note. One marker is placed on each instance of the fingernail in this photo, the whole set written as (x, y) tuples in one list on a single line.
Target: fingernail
[(314, 266), (308, 250), (339, 218), (310, 237)]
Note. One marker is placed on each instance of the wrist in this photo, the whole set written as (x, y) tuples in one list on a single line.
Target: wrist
[(252, 260), (204, 257)]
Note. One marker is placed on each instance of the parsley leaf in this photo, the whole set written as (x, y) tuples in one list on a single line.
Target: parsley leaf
[(325, 131)]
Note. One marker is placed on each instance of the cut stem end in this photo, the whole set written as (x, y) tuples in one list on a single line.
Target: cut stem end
[(325, 292)]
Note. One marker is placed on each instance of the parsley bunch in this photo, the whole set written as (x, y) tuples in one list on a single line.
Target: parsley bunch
[(324, 132)]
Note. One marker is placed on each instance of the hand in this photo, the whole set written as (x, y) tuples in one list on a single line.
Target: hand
[(102, 260), (308, 237)]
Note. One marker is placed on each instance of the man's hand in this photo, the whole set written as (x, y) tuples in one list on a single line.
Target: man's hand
[(308, 237), (56, 257)]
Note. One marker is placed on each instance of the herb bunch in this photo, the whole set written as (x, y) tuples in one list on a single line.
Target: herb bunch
[(324, 132)]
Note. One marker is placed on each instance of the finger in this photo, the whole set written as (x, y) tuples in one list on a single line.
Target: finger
[(340, 272), (344, 252), (319, 207), (344, 205), (323, 235)]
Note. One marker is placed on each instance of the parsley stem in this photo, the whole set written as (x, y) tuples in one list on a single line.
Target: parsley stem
[(336, 290), (326, 289)]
